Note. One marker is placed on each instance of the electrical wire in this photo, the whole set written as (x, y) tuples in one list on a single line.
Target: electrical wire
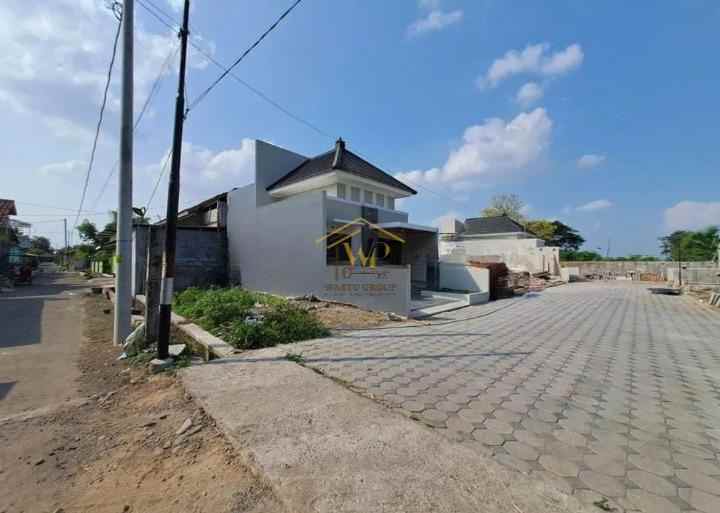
[(157, 182), (172, 24), (153, 90), (54, 208), (167, 20), (219, 79), (100, 120)]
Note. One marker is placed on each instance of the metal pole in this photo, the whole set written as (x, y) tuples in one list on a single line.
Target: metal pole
[(680, 265), (65, 251), (168, 278), (124, 219)]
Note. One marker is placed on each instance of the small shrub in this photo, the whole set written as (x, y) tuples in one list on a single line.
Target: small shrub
[(226, 313)]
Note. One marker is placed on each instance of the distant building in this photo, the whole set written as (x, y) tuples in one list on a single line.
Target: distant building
[(8, 239), (496, 239)]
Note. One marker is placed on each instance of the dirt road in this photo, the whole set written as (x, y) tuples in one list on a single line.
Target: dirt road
[(118, 445), (40, 338)]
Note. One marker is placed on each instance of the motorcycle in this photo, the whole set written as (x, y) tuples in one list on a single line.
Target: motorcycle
[(24, 275)]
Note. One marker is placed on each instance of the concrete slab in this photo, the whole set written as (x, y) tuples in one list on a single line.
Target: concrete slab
[(327, 449)]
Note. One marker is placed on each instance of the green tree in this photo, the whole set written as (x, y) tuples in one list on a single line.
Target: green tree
[(636, 258), (565, 237), (88, 232), (579, 256), (41, 244), (691, 246), (541, 228), (505, 205)]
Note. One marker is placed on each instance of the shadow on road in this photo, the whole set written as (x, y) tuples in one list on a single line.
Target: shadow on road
[(5, 388), (21, 310)]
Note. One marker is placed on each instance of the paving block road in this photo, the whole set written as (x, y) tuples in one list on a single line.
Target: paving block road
[(605, 390)]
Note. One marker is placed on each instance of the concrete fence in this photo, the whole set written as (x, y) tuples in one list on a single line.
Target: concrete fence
[(201, 257), (695, 276), (652, 271)]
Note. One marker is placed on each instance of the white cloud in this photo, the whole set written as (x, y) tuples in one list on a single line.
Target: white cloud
[(533, 59), (595, 205), (63, 169), (590, 160), (205, 172), (692, 215), (55, 58), (434, 21), (176, 5), (529, 93), (491, 151), (563, 61)]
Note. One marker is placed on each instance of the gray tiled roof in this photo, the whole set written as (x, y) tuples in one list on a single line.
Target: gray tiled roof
[(339, 159), (490, 225)]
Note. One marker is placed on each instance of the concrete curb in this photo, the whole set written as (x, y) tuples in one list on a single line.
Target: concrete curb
[(326, 449), (213, 346)]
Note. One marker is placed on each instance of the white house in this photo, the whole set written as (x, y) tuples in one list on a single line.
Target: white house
[(496, 239), (306, 224)]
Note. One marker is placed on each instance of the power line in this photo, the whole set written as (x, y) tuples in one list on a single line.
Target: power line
[(159, 14), (99, 123), (272, 27), (167, 20), (157, 182), (172, 25), (54, 207), (155, 87)]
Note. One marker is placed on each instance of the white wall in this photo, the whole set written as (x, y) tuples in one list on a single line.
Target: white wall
[(272, 247), (389, 291), (271, 164), (464, 278), (518, 254), (272, 243)]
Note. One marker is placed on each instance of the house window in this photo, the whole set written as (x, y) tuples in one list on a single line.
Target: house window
[(391, 203), (341, 190), (380, 200), (368, 197), (355, 194)]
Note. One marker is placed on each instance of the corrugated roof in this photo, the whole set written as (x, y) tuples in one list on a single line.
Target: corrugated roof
[(491, 225), (339, 159)]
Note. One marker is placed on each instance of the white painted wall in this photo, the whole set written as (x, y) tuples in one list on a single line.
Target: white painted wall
[(389, 292), (464, 277), (272, 247), (518, 254), (272, 243), (271, 164)]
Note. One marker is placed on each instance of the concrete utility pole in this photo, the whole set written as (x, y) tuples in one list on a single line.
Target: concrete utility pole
[(65, 252), (168, 278), (124, 222)]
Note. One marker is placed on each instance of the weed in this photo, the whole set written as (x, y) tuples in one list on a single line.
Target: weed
[(248, 320), (603, 504), (295, 357)]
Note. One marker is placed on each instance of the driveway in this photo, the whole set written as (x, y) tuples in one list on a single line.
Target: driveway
[(602, 389), (41, 329)]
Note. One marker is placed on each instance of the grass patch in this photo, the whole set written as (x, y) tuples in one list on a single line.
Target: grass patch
[(295, 357), (248, 320)]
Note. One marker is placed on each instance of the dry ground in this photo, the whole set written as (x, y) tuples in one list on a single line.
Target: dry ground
[(343, 316), (118, 450)]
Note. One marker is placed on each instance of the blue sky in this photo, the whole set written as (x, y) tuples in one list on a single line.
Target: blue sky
[(600, 114)]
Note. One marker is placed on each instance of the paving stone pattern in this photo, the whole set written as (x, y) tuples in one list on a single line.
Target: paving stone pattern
[(603, 389)]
